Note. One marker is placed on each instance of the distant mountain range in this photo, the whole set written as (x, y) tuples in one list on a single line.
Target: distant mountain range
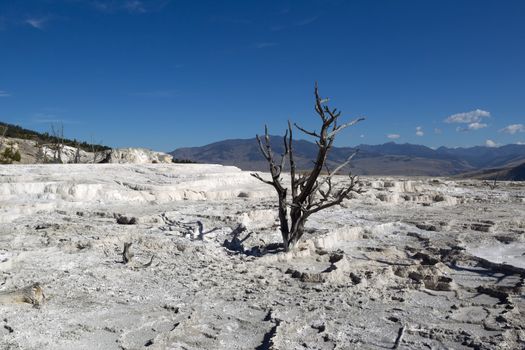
[(510, 173), (386, 159)]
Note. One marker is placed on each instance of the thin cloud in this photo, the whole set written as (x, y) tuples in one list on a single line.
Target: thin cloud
[(37, 23), (243, 21), (264, 45), (438, 131), (4, 93), (155, 93), (491, 144), (100, 6), (44, 118), (284, 11), (474, 116), (130, 6), (419, 131), (393, 136), (53, 110), (298, 23), (513, 128), (520, 143), (305, 21), (232, 20), (277, 27), (134, 6)]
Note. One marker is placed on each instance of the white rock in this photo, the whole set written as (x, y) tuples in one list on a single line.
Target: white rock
[(137, 156)]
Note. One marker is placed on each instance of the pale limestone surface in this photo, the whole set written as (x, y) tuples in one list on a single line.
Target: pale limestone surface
[(443, 258), (137, 156)]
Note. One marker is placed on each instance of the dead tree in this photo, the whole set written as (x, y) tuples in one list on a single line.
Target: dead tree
[(76, 160), (95, 149), (57, 131), (127, 255), (4, 131), (40, 155), (310, 192)]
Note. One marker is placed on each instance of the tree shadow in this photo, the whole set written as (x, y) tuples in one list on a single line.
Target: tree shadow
[(236, 244)]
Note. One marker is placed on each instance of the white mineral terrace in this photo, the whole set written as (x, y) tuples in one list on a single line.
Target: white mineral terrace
[(442, 258)]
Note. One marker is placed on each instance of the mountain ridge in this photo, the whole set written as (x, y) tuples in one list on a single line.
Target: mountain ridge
[(385, 159)]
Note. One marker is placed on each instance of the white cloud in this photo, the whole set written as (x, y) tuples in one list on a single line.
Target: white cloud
[(37, 23), (468, 117), (476, 126), (513, 128), (472, 126), (393, 136), (419, 131), (520, 143), (491, 144), (4, 93)]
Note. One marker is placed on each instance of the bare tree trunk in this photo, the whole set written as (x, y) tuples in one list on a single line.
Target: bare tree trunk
[(77, 153), (298, 219), (39, 156), (127, 255), (58, 133), (283, 219), (96, 152), (4, 131), (297, 232)]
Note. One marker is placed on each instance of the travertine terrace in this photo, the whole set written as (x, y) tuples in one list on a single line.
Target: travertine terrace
[(439, 261)]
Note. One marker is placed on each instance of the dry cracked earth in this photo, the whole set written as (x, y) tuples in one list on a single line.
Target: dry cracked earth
[(412, 263)]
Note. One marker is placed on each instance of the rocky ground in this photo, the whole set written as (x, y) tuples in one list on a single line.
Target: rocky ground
[(412, 263)]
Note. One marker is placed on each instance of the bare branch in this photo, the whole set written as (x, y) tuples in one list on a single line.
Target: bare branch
[(321, 205), (311, 133), (263, 151), (399, 338), (334, 114), (293, 180), (341, 166), (257, 176), (286, 151), (318, 104), (343, 126)]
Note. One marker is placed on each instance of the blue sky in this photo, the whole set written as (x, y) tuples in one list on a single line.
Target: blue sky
[(165, 74)]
